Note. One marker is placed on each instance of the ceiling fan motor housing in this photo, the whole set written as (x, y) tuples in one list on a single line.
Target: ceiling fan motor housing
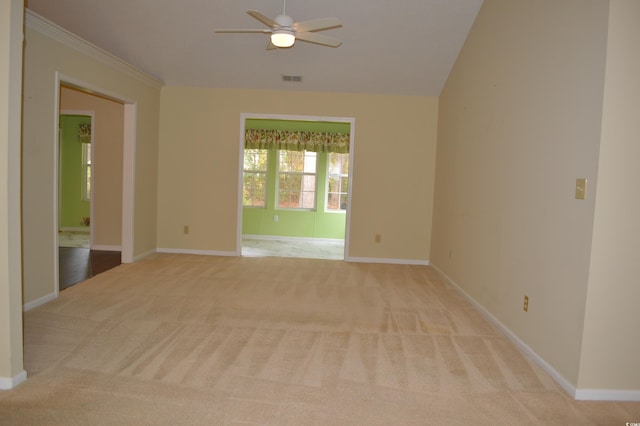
[(284, 21)]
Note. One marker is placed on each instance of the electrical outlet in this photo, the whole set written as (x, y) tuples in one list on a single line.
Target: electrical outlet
[(378, 238), (186, 230), (275, 217), (526, 304)]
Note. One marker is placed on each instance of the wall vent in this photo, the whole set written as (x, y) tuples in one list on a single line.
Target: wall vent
[(292, 78)]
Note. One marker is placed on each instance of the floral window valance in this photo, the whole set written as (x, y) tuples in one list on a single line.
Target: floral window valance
[(84, 133), (296, 140)]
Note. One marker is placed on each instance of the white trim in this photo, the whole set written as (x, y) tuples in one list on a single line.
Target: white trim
[(239, 202), (128, 167), (352, 149), (296, 118), (326, 185), (92, 114), (388, 261), (521, 345), (41, 301), (7, 383), (56, 200), (607, 395), (143, 255), (74, 229), (352, 135), (128, 181), (198, 252), (91, 89), (305, 155), (92, 173), (296, 239), (106, 248), (79, 112), (59, 34)]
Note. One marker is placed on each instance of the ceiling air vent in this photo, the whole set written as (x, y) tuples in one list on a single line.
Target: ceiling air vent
[(292, 78)]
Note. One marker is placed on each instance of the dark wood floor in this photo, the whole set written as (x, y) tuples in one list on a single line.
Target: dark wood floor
[(79, 264)]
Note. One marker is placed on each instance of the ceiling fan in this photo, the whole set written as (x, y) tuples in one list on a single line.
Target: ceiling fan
[(284, 31)]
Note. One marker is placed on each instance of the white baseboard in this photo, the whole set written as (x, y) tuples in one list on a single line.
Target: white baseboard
[(578, 394), (296, 239), (106, 248), (143, 255), (198, 252), (7, 383), (607, 395), (387, 261), (75, 229), (522, 346), (41, 301)]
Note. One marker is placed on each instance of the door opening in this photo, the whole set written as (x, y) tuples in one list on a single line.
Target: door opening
[(295, 202), (117, 156)]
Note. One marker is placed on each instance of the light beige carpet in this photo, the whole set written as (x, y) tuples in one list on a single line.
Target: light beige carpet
[(196, 340)]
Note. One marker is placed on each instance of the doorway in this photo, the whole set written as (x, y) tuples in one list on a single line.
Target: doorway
[(75, 157), (90, 169), (286, 223), (75, 206)]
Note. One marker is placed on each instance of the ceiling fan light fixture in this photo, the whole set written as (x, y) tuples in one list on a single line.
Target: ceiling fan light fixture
[(283, 38)]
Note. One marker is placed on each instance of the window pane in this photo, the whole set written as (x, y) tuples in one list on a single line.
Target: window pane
[(310, 162), (254, 189), (308, 192), (334, 185), (343, 201), (87, 193), (337, 181), (338, 164), (255, 159), (290, 161), (344, 184), (254, 186), (333, 201), (86, 165), (296, 179)]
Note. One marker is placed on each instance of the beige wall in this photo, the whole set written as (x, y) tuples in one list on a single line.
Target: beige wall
[(611, 343), (44, 55), (11, 15), (106, 193), (519, 122), (394, 160)]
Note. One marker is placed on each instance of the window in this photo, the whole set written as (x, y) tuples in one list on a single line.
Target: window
[(254, 183), (337, 181), (297, 180), (86, 171)]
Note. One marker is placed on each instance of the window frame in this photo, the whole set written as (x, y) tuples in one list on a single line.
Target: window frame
[(265, 172), (314, 174), (87, 171), (329, 175)]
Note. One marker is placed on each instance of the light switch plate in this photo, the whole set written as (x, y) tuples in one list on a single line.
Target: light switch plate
[(581, 189)]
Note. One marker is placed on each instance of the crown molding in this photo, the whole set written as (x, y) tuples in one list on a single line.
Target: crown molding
[(59, 34)]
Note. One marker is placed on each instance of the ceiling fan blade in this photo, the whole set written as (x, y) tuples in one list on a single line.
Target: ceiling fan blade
[(271, 46), (317, 25), (318, 39), (241, 30), (265, 20)]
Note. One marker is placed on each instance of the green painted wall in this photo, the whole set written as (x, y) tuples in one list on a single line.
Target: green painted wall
[(292, 223), (72, 207)]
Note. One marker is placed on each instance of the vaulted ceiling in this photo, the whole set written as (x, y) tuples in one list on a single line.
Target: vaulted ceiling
[(402, 47)]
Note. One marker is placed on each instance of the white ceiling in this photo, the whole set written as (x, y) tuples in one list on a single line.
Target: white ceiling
[(402, 47)]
